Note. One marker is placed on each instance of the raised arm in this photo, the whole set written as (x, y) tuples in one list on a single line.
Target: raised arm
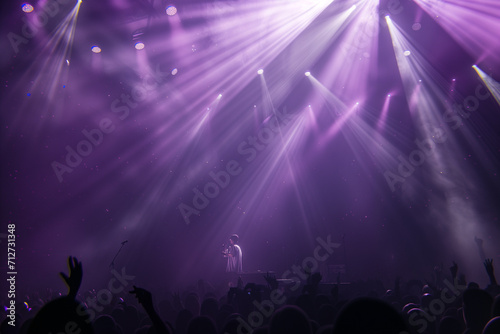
[(146, 300), (488, 265)]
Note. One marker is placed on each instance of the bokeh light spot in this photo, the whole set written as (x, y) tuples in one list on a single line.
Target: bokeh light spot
[(139, 45), (96, 49), (171, 10), (27, 8)]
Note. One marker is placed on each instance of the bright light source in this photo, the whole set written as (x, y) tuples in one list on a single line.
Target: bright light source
[(353, 7), (174, 71), (171, 10), (220, 96), (407, 53), (453, 80), (388, 95), (260, 71), (357, 103), (96, 49), (27, 8), (387, 17), (307, 74), (139, 45), (474, 66)]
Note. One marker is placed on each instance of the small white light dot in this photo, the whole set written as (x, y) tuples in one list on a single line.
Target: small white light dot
[(407, 53), (96, 49), (307, 74), (260, 71), (174, 71)]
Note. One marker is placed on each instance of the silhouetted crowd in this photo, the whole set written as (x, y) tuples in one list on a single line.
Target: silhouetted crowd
[(447, 305)]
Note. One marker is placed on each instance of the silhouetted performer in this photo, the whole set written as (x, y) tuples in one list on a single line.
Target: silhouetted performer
[(234, 256)]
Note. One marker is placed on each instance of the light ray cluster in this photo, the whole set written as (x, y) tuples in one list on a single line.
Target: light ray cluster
[(176, 124)]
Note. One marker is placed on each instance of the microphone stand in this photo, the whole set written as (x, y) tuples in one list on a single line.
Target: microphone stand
[(112, 264)]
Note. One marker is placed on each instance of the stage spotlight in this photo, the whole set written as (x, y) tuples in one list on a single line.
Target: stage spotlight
[(407, 53), (220, 96), (171, 10), (27, 8), (174, 71), (307, 74), (260, 71), (139, 45), (96, 49), (388, 95), (416, 26)]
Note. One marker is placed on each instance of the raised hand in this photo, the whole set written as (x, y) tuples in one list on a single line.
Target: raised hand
[(143, 296), (74, 280)]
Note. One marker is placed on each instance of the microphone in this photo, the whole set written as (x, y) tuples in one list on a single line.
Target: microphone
[(123, 243)]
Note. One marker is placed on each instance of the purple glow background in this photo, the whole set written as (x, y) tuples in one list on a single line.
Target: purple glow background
[(310, 182)]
